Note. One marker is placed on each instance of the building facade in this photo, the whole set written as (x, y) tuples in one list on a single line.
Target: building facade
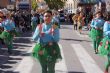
[(12, 3), (71, 6), (4, 3)]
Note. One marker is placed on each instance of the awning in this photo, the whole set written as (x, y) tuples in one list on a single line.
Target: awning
[(89, 2)]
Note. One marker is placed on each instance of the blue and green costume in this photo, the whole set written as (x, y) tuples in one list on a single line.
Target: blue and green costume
[(104, 48), (96, 32), (44, 34), (8, 33)]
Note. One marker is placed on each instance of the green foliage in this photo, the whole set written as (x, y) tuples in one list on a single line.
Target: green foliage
[(55, 4), (34, 4)]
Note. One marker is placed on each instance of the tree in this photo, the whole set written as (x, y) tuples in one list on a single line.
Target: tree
[(55, 4), (34, 4)]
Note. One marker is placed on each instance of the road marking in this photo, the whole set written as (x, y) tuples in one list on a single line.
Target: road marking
[(26, 64), (61, 65), (86, 60), (81, 35)]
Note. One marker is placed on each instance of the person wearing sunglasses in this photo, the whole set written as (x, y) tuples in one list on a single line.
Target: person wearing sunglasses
[(47, 50)]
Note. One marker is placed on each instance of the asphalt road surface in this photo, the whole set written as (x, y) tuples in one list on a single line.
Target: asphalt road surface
[(77, 51)]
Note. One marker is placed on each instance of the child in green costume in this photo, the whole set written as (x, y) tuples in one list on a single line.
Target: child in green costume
[(47, 50), (104, 48), (96, 32)]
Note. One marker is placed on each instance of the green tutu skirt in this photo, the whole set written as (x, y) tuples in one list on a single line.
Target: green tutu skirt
[(96, 34), (9, 34), (48, 52), (6, 35), (104, 47)]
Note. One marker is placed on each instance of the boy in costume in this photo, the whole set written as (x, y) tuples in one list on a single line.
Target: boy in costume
[(47, 50)]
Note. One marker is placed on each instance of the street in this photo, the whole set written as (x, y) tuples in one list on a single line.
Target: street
[(78, 54), (81, 50)]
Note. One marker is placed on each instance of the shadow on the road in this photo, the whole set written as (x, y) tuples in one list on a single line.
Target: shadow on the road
[(11, 58), (1, 71), (8, 60), (15, 52), (2, 51), (22, 40), (19, 45), (76, 72), (74, 40), (18, 53), (26, 54), (5, 66), (66, 23), (11, 62)]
